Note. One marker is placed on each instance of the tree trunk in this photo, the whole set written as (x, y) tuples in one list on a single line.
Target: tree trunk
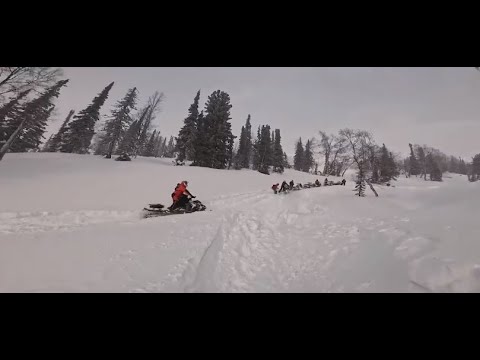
[(12, 138), (371, 187)]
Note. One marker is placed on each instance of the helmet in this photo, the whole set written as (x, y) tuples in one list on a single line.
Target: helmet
[(185, 182)]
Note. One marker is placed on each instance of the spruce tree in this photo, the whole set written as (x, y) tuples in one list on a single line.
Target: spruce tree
[(219, 134), (150, 148), (170, 148), (414, 167), (158, 142), (245, 146), (308, 157), (462, 167), (147, 115), (476, 167), (264, 149), (56, 141), (298, 159), (33, 119), (187, 134), (286, 164), (393, 168), (360, 184), (376, 165), (202, 143), (10, 116), (255, 150), (422, 162), (116, 126), (278, 154), (238, 156), (80, 131), (127, 144), (131, 141), (433, 168)]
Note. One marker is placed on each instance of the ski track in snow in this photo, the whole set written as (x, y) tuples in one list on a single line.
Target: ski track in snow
[(41, 221), (250, 241)]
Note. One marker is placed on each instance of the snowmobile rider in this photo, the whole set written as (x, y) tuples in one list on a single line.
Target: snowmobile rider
[(318, 183), (292, 184), (180, 196)]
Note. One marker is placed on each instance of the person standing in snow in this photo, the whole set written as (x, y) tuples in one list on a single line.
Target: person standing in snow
[(292, 184), (275, 188), (284, 187)]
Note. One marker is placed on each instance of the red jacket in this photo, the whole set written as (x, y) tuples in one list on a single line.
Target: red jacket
[(179, 191)]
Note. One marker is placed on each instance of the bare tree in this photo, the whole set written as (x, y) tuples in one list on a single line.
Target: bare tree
[(153, 105), (360, 145), (17, 79), (333, 148)]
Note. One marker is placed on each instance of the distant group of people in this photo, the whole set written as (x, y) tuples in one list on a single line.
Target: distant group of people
[(277, 188)]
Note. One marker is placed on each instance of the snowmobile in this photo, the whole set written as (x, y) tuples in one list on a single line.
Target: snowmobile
[(160, 210)]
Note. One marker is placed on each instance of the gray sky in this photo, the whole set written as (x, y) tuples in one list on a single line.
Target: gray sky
[(439, 107)]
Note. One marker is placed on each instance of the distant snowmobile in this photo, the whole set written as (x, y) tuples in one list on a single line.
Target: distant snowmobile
[(160, 210)]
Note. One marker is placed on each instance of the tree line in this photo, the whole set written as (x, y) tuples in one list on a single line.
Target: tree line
[(206, 139), (23, 119)]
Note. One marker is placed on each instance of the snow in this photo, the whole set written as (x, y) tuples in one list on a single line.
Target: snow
[(71, 223)]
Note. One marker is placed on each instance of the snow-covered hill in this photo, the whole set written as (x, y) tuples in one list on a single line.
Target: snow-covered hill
[(71, 223)]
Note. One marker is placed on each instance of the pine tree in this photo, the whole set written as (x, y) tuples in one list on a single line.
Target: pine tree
[(31, 136), (33, 118), (116, 126), (187, 134), (388, 168), (80, 131), (219, 134), (131, 141), (230, 153), (433, 168), (56, 141), (150, 148), (202, 142), (414, 167), (128, 142), (376, 164), (286, 164), (244, 153), (158, 143), (360, 185), (170, 148), (298, 159), (238, 157), (393, 168), (278, 154), (255, 150), (10, 117), (307, 157), (422, 162), (264, 150), (462, 167), (147, 116), (476, 167)]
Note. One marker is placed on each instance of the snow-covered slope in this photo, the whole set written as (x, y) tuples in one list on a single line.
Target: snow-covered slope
[(71, 223)]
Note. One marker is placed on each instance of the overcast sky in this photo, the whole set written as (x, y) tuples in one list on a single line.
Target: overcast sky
[(439, 107)]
